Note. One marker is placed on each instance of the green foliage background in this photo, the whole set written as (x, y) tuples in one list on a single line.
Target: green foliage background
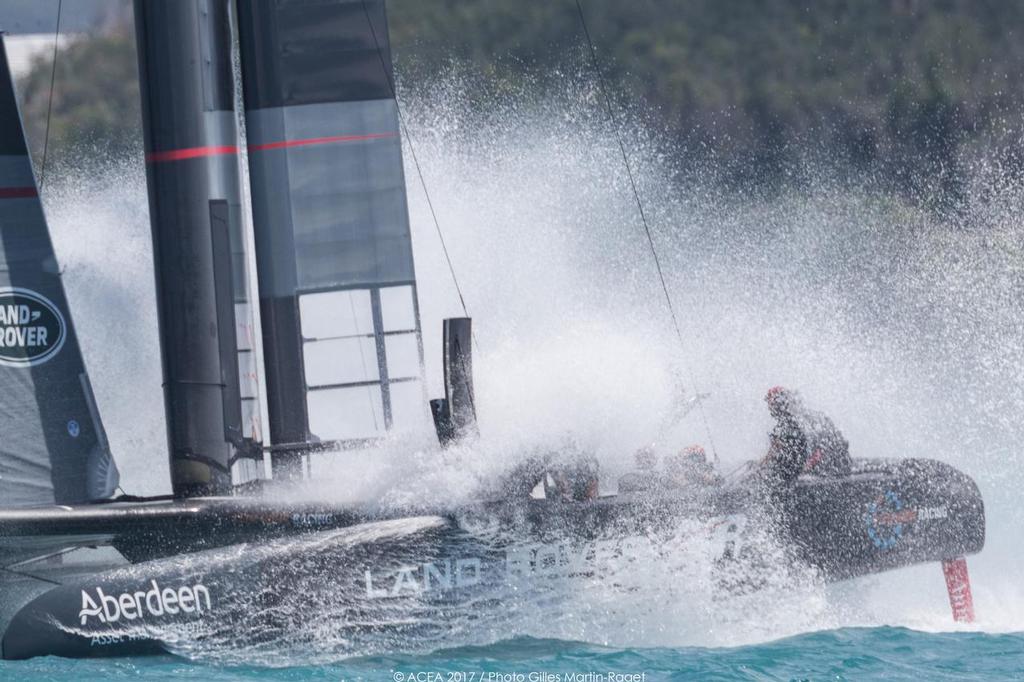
[(909, 91)]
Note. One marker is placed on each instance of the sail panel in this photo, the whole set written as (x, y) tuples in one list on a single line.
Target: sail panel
[(53, 449), (346, 210), (297, 52), (347, 413), (341, 327)]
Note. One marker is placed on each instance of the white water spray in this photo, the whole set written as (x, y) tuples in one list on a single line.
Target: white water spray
[(904, 326)]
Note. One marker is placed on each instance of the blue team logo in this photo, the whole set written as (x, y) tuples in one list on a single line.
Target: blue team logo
[(885, 518), (32, 328), (74, 428)]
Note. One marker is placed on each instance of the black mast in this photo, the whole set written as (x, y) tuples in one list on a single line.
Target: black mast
[(191, 162)]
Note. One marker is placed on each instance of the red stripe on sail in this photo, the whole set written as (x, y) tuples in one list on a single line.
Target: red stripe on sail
[(190, 153), (318, 140), (18, 192)]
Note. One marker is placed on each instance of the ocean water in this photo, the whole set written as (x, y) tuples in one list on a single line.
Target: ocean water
[(903, 324), (883, 653)]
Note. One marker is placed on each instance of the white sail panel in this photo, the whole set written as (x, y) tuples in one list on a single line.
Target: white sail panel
[(346, 414), (407, 412), (403, 356), (341, 361), (335, 314), (398, 309)]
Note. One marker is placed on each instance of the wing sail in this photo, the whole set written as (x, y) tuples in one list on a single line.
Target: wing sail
[(53, 448), (341, 330)]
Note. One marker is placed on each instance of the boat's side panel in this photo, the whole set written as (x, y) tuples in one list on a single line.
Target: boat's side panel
[(375, 583), (50, 625), (144, 531), (906, 512), (234, 595), (912, 512)]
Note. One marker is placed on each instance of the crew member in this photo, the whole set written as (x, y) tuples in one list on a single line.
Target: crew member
[(646, 459), (829, 450), (576, 480), (690, 467), (802, 441), (644, 477), (788, 448)]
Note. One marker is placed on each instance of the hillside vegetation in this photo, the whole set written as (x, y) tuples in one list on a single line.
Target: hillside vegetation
[(905, 92)]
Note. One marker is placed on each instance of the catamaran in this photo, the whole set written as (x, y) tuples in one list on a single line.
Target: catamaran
[(85, 573)]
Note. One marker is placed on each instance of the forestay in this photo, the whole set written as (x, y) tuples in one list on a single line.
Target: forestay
[(337, 286), (53, 448)]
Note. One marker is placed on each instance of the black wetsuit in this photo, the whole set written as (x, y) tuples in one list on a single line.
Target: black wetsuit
[(805, 441), (789, 449), (828, 450)]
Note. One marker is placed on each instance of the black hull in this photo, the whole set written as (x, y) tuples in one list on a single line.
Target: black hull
[(404, 583)]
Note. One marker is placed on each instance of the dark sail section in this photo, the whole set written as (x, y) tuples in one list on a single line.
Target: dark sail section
[(341, 332), (192, 171), (53, 448)]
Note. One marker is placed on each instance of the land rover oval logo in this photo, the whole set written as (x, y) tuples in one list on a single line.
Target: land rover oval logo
[(32, 328)]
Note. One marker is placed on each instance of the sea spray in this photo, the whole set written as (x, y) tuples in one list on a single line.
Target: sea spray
[(900, 322)]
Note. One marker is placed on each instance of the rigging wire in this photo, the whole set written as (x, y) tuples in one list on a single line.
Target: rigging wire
[(49, 103), (643, 217), (416, 162)]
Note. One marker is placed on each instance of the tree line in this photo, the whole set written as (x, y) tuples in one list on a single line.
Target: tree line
[(907, 92)]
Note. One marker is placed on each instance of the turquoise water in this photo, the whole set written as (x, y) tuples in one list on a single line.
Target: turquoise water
[(882, 653)]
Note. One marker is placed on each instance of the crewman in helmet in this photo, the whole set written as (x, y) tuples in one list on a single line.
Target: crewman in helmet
[(803, 441), (787, 449), (575, 480), (689, 468), (644, 477)]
